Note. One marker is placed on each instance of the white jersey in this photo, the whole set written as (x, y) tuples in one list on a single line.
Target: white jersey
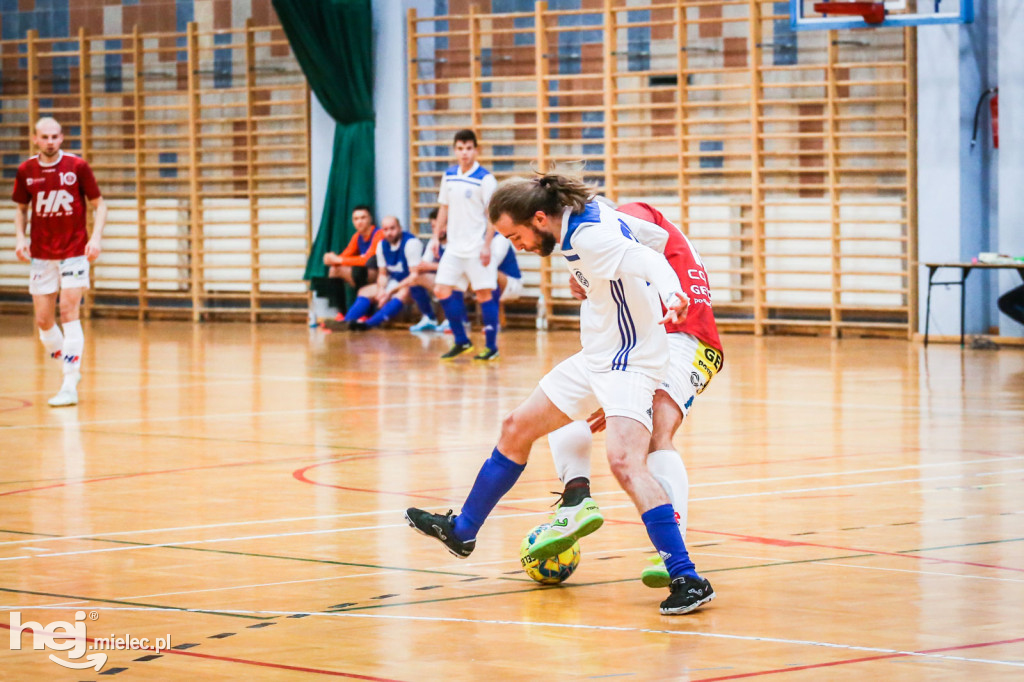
[(619, 327), (466, 195)]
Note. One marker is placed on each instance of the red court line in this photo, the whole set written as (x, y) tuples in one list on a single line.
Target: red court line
[(246, 661), (800, 543), (300, 475), (863, 659), (115, 477), (22, 406)]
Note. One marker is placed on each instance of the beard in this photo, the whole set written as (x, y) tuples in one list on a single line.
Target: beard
[(546, 241)]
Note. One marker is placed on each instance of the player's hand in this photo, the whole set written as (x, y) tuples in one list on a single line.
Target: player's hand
[(485, 255), (437, 251), (677, 311), (92, 250), (577, 290), (596, 421), (21, 250), (331, 258)]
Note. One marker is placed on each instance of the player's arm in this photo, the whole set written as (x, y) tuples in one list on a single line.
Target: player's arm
[(487, 187), (440, 225), (99, 221), (21, 249), (645, 263), (382, 276), (331, 258), (363, 259), (611, 256)]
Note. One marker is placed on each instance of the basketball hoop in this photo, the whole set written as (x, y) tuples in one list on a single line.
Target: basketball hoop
[(872, 12)]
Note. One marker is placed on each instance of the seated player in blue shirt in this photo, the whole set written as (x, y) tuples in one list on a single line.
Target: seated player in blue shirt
[(397, 253)]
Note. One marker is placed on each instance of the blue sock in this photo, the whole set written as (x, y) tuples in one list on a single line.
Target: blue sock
[(664, 533), (455, 310), (360, 307), (496, 477), (422, 300), (489, 313), (390, 309)]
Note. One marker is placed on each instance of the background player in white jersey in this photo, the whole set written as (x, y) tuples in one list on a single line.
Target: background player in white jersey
[(56, 186), (695, 358), (466, 189), (624, 357)]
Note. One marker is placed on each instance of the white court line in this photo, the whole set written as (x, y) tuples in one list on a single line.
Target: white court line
[(826, 562), (239, 415), (571, 626), (495, 516), (122, 389), (740, 481), (772, 561), (450, 568)]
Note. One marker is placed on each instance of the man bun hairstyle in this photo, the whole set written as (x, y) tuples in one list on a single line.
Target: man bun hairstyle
[(551, 193)]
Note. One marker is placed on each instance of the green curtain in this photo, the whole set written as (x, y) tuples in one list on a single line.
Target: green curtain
[(332, 40)]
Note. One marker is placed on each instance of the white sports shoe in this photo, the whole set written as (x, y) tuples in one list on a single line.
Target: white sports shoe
[(445, 326), (424, 325), (67, 395)]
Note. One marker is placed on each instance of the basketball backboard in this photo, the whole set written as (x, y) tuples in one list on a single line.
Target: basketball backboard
[(816, 15)]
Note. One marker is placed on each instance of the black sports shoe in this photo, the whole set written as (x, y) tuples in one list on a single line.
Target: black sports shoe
[(456, 350), (440, 527), (358, 326), (687, 594), (487, 355)]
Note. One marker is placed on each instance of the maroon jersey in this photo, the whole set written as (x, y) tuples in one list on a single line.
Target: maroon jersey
[(680, 254), (56, 195)]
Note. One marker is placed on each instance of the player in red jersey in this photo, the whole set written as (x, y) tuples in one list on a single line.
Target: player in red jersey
[(696, 357), (56, 186)]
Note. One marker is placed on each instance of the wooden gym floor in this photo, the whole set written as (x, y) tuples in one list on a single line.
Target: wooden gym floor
[(857, 504)]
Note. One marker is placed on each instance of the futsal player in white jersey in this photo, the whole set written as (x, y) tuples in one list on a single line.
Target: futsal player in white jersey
[(466, 188), (624, 357)]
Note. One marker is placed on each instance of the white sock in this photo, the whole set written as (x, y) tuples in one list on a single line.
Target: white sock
[(668, 469), (570, 448), (74, 344), (53, 341)]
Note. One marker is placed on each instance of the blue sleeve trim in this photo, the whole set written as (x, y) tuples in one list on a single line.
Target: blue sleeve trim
[(591, 214)]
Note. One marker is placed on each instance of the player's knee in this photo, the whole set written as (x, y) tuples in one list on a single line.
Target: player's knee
[(68, 308), (517, 429)]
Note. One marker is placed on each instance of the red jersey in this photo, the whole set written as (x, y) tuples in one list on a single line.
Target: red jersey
[(56, 194), (680, 254)]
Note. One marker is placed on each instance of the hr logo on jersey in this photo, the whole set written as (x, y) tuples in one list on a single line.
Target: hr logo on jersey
[(54, 202), (581, 278), (68, 178)]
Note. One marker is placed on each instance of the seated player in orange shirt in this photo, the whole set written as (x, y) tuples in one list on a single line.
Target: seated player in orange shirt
[(356, 265)]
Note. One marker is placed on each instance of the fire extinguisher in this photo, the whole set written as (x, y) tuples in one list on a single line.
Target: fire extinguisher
[(993, 105)]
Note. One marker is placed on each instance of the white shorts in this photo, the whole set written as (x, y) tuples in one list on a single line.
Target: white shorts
[(51, 276), (453, 271), (691, 367), (513, 289), (577, 391)]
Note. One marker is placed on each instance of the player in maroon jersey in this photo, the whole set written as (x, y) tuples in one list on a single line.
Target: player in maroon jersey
[(56, 186), (696, 357)]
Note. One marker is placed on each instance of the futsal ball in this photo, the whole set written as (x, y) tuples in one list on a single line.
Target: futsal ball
[(550, 571)]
